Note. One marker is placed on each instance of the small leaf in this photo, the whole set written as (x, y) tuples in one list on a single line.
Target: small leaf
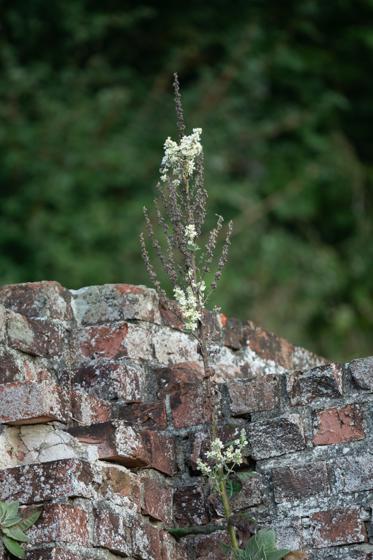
[(13, 547), (2, 511), (11, 509), (26, 523), (15, 533), (245, 475)]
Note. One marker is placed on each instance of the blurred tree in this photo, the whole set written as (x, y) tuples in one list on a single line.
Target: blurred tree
[(283, 92)]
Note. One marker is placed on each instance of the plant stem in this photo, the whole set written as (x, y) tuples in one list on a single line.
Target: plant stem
[(228, 515)]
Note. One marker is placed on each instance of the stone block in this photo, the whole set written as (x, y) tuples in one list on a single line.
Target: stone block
[(277, 436), (119, 485), (88, 409), (2, 323), (339, 425), (337, 527), (115, 302), (321, 382), (55, 553), (255, 394), (31, 403), (145, 415), (43, 300), (300, 482), (17, 366), (47, 481), (362, 373)]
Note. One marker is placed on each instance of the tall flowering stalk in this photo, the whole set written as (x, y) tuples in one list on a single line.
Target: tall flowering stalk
[(180, 210)]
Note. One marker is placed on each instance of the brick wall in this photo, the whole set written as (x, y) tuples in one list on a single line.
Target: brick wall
[(103, 415)]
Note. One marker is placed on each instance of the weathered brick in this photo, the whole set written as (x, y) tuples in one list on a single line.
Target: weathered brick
[(157, 498), (355, 473), (146, 415), (112, 380), (119, 482), (362, 373), (251, 494), (31, 403), (38, 337), (268, 346), (148, 542), (189, 506), (104, 341), (88, 409), (300, 482), (17, 366), (173, 347), (112, 529), (46, 300), (254, 394), (129, 446), (47, 481), (276, 436), (115, 302), (62, 523), (184, 385), (338, 425), (336, 527), (305, 386)]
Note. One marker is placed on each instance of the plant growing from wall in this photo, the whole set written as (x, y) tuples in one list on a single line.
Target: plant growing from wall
[(13, 527), (194, 270)]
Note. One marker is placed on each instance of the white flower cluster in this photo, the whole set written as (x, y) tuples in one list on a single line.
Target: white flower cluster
[(222, 460), (191, 234), (190, 301), (179, 159)]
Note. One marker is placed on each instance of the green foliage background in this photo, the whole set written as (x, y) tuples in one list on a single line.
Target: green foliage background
[(283, 93)]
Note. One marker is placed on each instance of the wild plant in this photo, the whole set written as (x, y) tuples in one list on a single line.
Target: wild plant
[(194, 269), (13, 527)]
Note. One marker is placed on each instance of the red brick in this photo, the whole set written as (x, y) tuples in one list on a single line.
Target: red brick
[(336, 527), (254, 395), (62, 523), (147, 541), (162, 451), (104, 341), (171, 315), (268, 346), (47, 481), (31, 403), (189, 506), (88, 409), (300, 482), (113, 380), (112, 530), (157, 499), (209, 547), (47, 300), (183, 383), (320, 382), (38, 337), (338, 425)]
